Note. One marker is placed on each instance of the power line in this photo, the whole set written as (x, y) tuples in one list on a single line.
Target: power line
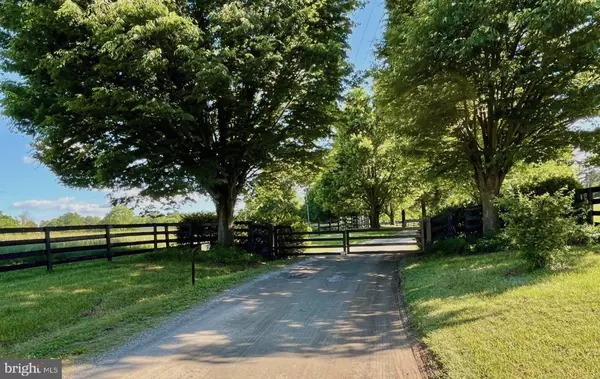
[(373, 38), (366, 28)]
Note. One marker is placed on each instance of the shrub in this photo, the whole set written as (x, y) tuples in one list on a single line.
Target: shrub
[(199, 217), (450, 246), (538, 226), (491, 244), (584, 235), (227, 256), (203, 227)]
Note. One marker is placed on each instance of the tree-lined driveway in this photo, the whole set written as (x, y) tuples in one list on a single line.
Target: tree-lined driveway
[(326, 317)]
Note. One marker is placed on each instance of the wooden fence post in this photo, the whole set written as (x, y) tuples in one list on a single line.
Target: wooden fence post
[(347, 241), (403, 218), (191, 237), (155, 236), (450, 226), (108, 246), (193, 266), (48, 249), (250, 241), (590, 198), (422, 224), (167, 236), (275, 245), (330, 224), (428, 230)]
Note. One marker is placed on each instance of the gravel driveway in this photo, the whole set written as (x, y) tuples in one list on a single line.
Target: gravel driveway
[(326, 317)]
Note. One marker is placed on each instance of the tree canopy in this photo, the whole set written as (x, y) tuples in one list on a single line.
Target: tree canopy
[(486, 84), (67, 219), (365, 173), (174, 97), (7, 221)]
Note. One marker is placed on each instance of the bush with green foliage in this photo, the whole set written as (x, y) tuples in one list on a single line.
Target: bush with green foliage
[(539, 226), (199, 218), (539, 178), (198, 222), (450, 246), (584, 235), (462, 245), (228, 256)]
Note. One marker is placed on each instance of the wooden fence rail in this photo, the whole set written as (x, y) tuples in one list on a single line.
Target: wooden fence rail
[(22, 248), (100, 241), (303, 243)]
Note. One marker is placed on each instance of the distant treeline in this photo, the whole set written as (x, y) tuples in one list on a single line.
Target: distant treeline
[(119, 214)]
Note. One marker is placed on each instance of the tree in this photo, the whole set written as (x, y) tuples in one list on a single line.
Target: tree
[(92, 220), (273, 200), (366, 161), (490, 83), (174, 98), (67, 219), (119, 214), (26, 221), (7, 221)]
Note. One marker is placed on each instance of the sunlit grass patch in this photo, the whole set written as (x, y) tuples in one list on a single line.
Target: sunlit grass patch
[(83, 308), (489, 316)]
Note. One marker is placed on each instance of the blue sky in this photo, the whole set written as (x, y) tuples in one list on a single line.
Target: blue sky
[(27, 187)]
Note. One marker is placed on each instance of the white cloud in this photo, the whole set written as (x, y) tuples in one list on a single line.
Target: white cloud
[(29, 160), (64, 204)]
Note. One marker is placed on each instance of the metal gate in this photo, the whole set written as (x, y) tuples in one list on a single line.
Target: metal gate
[(351, 241)]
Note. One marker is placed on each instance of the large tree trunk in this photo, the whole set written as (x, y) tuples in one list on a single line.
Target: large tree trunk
[(391, 213), (489, 189), (374, 217), (225, 200)]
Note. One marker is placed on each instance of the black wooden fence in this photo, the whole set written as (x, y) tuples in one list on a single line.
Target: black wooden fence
[(459, 221), (340, 223), (22, 248), (590, 197), (469, 220)]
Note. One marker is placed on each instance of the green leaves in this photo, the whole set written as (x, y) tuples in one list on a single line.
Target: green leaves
[(484, 84), (173, 98)]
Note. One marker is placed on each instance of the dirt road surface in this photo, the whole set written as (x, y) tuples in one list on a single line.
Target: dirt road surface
[(328, 317)]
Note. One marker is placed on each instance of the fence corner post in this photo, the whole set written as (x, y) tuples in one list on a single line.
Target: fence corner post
[(108, 243), (48, 249)]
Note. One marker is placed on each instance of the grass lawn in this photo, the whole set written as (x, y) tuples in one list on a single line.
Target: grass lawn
[(487, 316), (81, 309)]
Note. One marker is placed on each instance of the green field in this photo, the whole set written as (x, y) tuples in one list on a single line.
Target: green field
[(84, 308), (488, 316)]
